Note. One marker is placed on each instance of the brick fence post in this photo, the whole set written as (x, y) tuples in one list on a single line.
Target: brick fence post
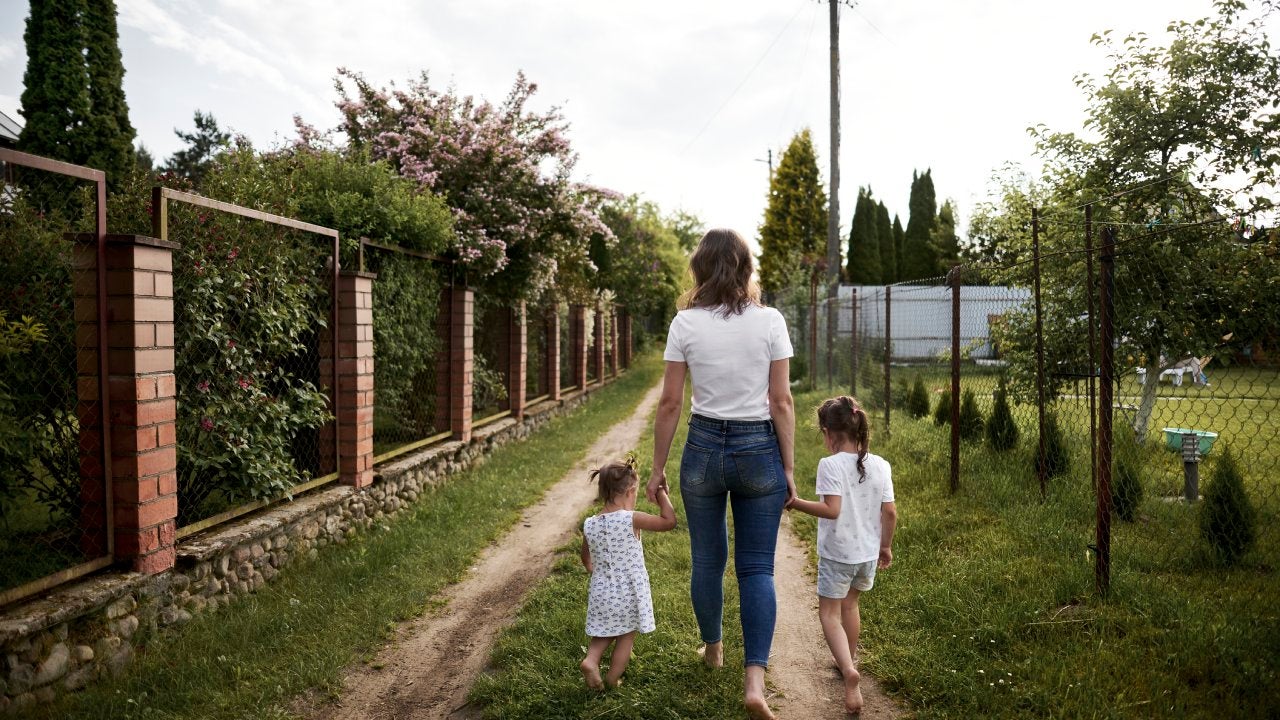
[(513, 349), (597, 337), (355, 377), (551, 363), (455, 323), (142, 389), (578, 328), (613, 342)]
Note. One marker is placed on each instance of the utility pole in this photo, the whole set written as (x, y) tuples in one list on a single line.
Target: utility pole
[(833, 217), (770, 161)]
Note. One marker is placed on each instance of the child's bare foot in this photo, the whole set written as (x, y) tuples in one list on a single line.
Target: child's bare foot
[(591, 673), (712, 654), (612, 682), (852, 692), (758, 708)]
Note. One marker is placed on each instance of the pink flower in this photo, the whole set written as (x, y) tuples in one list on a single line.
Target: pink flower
[(206, 424), (243, 383), (235, 253), (231, 344), (203, 386)]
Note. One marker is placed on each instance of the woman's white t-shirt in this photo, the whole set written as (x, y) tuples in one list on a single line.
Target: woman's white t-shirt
[(728, 358), (854, 536)]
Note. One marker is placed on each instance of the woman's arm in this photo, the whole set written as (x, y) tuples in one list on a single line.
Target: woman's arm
[(783, 411), (828, 508), (645, 521), (664, 425)]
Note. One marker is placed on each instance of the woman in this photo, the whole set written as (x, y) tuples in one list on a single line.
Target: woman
[(739, 450)]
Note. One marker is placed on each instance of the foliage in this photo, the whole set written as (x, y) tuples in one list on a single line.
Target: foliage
[(522, 225), (55, 86), (646, 263), (108, 132), (1052, 453), (17, 338), (1227, 517), (899, 239), (1126, 495), (942, 411), (946, 244), (864, 263), (203, 145), (888, 250), (918, 399), (406, 302), (919, 258), (793, 235), (971, 420), (1002, 431)]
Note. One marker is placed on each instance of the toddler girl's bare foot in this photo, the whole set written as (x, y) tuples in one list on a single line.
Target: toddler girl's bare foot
[(758, 708), (612, 682), (591, 673), (712, 654), (852, 692)]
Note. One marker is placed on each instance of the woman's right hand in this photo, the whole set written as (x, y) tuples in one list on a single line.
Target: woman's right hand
[(791, 488), (658, 479)]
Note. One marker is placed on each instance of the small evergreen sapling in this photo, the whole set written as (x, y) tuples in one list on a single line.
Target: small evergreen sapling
[(1227, 517), (942, 413), (1055, 458), (971, 422), (1002, 431), (1126, 494), (918, 399)]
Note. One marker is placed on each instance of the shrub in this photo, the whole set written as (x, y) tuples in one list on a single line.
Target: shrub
[(1227, 517), (942, 413), (1126, 493), (971, 421), (1002, 431), (902, 394), (1054, 458), (918, 399)]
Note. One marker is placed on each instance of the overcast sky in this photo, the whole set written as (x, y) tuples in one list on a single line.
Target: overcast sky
[(672, 99)]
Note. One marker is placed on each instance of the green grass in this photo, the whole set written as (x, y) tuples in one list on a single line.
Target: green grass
[(535, 663), (253, 659), (995, 585)]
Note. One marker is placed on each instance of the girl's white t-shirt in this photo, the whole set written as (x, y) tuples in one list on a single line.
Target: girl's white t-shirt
[(728, 358), (854, 536)]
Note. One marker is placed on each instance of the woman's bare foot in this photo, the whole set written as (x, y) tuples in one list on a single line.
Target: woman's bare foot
[(591, 673), (712, 654), (758, 708), (852, 692)]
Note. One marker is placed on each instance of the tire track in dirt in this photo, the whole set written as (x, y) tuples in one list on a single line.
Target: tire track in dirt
[(429, 670), (801, 670)]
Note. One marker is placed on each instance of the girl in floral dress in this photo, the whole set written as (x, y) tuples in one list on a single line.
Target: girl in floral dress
[(619, 603)]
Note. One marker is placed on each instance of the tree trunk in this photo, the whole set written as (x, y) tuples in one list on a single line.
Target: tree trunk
[(1146, 406)]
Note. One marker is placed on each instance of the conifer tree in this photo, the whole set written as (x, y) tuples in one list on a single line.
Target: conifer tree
[(899, 238), (108, 132), (207, 140), (795, 222), (946, 243), (919, 258), (864, 242), (55, 95), (888, 253)]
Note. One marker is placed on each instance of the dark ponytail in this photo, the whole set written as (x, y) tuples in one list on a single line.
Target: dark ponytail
[(844, 416)]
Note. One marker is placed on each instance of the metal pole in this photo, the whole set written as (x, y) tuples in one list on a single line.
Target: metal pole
[(888, 350), (853, 343), (1102, 541), (833, 214), (1035, 249), (1093, 360), (833, 324), (955, 379), (813, 331)]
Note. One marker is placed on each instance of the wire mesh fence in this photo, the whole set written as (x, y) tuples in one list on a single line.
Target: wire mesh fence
[(537, 384), (53, 497), (253, 307), (489, 382)]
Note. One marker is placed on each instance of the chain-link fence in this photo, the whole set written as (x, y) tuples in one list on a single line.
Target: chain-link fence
[(54, 501), (537, 383), (489, 381)]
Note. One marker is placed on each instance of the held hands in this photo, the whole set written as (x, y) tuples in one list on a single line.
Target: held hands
[(886, 558), (656, 480), (791, 489)]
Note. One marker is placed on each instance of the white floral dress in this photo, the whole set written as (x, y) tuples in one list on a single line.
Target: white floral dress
[(619, 600)]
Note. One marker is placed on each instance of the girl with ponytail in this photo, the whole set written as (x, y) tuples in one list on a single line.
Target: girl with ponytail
[(856, 519)]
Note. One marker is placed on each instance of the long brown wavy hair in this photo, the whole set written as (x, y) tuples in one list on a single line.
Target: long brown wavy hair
[(722, 274)]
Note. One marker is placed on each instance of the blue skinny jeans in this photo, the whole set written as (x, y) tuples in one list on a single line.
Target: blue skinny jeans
[(734, 463)]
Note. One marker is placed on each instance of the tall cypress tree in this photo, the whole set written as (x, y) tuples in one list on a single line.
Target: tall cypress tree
[(55, 95), (109, 133), (945, 241), (919, 258), (795, 222), (864, 244), (899, 238), (888, 255)]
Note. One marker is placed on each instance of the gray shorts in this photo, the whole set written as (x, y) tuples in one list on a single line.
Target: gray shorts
[(835, 578)]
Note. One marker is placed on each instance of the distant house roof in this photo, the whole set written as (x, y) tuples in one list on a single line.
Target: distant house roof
[(9, 130)]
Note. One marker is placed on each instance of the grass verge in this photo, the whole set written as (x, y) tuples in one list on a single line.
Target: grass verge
[(253, 659)]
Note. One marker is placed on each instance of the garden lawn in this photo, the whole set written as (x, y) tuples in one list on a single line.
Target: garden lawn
[(253, 659)]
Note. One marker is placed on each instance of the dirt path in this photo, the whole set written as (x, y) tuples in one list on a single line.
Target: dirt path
[(429, 670), (801, 668)]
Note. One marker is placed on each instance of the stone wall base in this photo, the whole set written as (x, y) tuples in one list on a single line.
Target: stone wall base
[(93, 627)]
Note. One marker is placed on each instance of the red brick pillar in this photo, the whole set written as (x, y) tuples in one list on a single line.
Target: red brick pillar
[(578, 328), (513, 354), (89, 391), (551, 363), (355, 378), (613, 342), (455, 323), (597, 337), (142, 391)]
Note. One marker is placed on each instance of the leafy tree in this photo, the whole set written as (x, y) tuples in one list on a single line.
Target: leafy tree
[(646, 266), (888, 252), (108, 133), (793, 236), (1227, 517), (203, 145), (919, 256), (864, 242), (55, 94)]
